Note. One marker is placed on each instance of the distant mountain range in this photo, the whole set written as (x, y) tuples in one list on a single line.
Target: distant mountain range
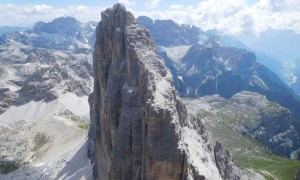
[(205, 64), (7, 29), (64, 33), (276, 49)]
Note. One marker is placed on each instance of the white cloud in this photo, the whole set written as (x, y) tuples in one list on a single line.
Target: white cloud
[(236, 16), (127, 3), (151, 4), (231, 16), (39, 9), (176, 6), (16, 15)]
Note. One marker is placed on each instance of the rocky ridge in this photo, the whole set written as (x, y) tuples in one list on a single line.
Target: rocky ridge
[(252, 115), (139, 127), (258, 133), (174, 35), (41, 74)]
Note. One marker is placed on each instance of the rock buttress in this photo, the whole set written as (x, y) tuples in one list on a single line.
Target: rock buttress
[(139, 128)]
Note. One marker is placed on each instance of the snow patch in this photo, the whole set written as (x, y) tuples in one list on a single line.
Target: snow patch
[(180, 78), (258, 81), (227, 65), (176, 53), (289, 71), (192, 70)]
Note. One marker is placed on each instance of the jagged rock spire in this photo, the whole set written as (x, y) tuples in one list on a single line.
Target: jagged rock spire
[(139, 127)]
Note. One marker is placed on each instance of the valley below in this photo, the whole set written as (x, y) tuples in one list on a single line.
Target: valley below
[(41, 140), (237, 123)]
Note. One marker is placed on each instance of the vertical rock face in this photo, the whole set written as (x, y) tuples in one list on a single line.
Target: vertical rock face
[(139, 127)]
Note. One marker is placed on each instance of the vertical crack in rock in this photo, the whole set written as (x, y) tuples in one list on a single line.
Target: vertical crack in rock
[(139, 127)]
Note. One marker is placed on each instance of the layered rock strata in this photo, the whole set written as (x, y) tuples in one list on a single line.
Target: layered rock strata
[(139, 128)]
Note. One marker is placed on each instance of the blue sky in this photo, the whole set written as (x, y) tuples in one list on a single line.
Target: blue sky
[(139, 4), (60, 3), (231, 16)]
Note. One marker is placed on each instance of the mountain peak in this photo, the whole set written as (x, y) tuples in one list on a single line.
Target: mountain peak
[(169, 33), (65, 19), (139, 127), (145, 20), (63, 33), (118, 16), (61, 25)]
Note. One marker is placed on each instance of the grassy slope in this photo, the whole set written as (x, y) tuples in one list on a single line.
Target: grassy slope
[(248, 152), (278, 167)]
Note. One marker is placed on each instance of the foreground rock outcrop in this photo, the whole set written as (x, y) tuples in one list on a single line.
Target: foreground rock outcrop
[(139, 128)]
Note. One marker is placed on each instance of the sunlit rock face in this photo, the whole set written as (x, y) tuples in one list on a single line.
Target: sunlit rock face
[(139, 127)]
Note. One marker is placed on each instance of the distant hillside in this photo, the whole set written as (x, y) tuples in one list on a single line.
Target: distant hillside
[(7, 29)]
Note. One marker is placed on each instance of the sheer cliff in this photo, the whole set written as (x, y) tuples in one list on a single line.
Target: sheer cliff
[(139, 127)]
